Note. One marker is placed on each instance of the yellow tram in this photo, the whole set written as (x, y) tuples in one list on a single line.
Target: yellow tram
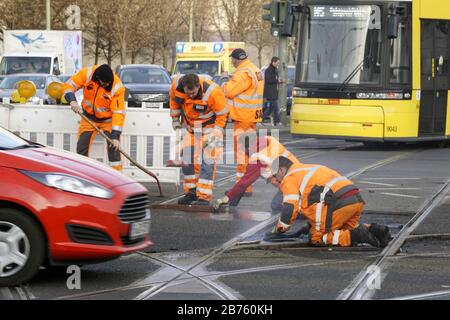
[(373, 70)]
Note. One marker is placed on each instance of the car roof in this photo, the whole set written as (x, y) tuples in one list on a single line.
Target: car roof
[(16, 75), (129, 66)]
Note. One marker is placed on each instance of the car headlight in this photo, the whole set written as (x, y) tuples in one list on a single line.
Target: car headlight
[(70, 184)]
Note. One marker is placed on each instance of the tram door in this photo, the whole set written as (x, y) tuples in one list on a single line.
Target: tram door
[(434, 74)]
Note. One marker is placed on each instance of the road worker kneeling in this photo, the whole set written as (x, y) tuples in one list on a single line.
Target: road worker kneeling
[(331, 204)]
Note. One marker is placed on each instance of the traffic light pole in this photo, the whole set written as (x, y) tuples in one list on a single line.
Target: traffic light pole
[(283, 54)]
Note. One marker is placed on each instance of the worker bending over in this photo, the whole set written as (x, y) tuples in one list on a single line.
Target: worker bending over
[(200, 106), (103, 103), (261, 153), (331, 203)]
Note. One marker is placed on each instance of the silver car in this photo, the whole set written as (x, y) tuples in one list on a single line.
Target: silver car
[(41, 81)]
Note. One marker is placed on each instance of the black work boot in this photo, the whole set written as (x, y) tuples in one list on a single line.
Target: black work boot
[(362, 235), (188, 198), (381, 233)]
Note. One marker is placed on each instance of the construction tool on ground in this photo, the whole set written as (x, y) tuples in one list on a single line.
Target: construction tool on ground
[(55, 91), (177, 162)]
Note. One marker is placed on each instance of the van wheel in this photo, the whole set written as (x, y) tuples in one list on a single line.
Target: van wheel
[(22, 247)]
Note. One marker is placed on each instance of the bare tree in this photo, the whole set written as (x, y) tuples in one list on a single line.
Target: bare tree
[(261, 36)]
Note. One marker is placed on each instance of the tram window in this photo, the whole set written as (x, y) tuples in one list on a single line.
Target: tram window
[(400, 55)]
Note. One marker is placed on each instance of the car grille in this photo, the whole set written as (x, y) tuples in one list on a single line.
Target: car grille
[(151, 97), (86, 235), (127, 242), (135, 208)]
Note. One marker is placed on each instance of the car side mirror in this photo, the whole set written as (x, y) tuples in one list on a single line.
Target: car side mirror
[(393, 23)]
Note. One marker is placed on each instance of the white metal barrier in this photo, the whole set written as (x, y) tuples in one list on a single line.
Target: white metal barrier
[(148, 136)]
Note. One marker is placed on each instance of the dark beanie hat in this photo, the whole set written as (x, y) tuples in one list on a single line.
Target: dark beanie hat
[(104, 73)]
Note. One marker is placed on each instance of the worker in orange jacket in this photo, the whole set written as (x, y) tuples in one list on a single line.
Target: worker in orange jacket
[(103, 103), (244, 93), (261, 154), (331, 203), (200, 107)]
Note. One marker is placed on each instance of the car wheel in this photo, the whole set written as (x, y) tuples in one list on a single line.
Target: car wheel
[(22, 247)]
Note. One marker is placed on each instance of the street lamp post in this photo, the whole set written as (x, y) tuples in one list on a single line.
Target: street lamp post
[(48, 14)]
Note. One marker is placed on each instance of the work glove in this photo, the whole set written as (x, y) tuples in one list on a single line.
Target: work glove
[(281, 227), (75, 107), (116, 144), (176, 124), (220, 202)]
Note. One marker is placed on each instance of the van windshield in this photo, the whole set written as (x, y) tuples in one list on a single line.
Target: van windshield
[(200, 67), (13, 65)]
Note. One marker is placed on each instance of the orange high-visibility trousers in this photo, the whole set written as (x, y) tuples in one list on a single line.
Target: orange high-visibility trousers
[(86, 135), (344, 220), (244, 134), (200, 173)]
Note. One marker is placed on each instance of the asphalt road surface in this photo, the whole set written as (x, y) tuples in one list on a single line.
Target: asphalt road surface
[(198, 256)]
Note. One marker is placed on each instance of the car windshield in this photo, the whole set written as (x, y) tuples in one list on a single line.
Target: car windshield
[(10, 82), (339, 40), (206, 67), (8, 140), (13, 65), (144, 76)]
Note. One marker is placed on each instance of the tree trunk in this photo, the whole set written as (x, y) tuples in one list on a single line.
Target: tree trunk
[(123, 51), (109, 58), (97, 40), (260, 56)]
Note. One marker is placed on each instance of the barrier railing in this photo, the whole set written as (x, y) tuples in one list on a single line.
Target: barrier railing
[(148, 136)]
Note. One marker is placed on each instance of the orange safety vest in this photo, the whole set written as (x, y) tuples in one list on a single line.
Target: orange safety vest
[(302, 179), (207, 109), (99, 104), (244, 93), (271, 152)]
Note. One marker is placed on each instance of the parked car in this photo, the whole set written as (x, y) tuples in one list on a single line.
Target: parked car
[(145, 83), (60, 208), (41, 81)]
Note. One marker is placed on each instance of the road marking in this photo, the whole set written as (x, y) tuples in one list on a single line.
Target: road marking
[(400, 195), (435, 294), (381, 189), (392, 178), (378, 183), (6, 294), (22, 294), (297, 141)]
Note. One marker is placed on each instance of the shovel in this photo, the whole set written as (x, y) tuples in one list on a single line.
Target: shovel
[(126, 155)]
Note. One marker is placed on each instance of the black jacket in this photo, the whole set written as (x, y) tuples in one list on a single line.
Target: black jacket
[(271, 83)]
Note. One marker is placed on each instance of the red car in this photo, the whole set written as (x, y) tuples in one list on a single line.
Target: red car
[(59, 208)]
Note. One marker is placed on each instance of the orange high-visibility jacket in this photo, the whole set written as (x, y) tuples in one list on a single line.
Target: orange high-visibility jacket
[(269, 153), (99, 104), (298, 183), (244, 93), (209, 107)]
